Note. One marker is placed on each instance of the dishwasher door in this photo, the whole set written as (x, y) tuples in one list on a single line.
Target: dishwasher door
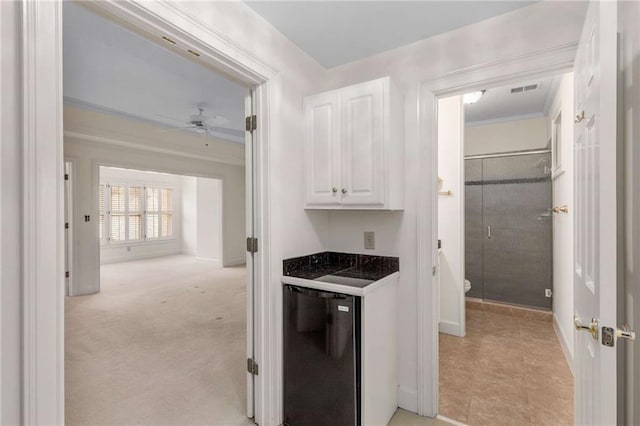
[(321, 357)]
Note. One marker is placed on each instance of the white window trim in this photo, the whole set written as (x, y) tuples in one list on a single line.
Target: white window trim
[(106, 231)]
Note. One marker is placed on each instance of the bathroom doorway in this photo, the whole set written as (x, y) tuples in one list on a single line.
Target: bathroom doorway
[(505, 253)]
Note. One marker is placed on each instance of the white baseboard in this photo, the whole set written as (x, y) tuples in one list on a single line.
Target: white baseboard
[(189, 252), (564, 343), (235, 262), (450, 327), (106, 259), (408, 399), (214, 262)]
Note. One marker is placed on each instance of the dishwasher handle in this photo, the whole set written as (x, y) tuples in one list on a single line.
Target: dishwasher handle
[(315, 293)]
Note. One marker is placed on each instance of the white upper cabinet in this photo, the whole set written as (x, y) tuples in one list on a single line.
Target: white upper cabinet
[(322, 148), (354, 148)]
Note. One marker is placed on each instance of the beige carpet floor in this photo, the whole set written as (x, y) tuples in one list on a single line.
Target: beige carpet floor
[(162, 343)]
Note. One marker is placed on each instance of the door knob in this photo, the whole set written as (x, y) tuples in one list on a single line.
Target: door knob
[(579, 117), (344, 191), (334, 189), (591, 328), (561, 209)]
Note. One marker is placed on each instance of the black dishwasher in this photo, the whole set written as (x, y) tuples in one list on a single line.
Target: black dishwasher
[(321, 357)]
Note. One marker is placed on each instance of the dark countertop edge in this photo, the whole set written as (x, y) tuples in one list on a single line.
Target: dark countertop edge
[(352, 265)]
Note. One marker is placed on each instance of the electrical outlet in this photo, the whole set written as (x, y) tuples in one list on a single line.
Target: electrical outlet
[(547, 292), (370, 240)]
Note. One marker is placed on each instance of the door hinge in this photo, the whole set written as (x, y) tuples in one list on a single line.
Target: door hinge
[(252, 244), (66, 176), (66, 225), (433, 271), (66, 274), (252, 366), (251, 123)]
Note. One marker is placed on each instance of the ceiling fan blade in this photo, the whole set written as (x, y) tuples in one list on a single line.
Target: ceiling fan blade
[(217, 120)]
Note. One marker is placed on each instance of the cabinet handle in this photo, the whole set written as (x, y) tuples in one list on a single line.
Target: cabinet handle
[(334, 189), (344, 191), (489, 232)]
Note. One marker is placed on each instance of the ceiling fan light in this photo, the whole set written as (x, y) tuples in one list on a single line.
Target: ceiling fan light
[(472, 97)]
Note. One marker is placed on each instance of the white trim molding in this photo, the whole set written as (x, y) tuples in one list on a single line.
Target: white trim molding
[(43, 198), (536, 64)]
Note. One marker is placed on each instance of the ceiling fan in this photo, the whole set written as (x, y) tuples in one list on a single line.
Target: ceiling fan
[(206, 125)]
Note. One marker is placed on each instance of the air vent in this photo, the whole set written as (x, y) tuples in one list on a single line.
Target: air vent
[(527, 88)]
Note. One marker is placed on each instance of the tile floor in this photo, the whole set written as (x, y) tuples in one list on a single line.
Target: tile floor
[(509, 369)]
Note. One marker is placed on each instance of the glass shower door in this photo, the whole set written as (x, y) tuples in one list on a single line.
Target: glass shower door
[(473, 229), (517, 245)]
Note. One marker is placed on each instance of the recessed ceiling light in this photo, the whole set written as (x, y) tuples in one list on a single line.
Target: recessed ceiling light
[(472, 97)]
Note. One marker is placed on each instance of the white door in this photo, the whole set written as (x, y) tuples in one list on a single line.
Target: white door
[(322, 148), (362, 119), (595, 241)]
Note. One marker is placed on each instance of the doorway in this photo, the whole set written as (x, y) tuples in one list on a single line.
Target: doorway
[(165, 183), (504, 348)]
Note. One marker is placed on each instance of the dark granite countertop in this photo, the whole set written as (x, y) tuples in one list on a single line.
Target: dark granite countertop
[(348, 265)]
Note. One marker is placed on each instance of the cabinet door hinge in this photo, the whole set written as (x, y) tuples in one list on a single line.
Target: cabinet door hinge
[(252, 245), (252, 366), (251, 123)]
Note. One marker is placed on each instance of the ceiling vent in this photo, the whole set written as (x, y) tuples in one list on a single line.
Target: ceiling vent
[(527, 88)]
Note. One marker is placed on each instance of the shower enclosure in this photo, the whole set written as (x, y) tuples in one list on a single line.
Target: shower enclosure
[(508, 245)]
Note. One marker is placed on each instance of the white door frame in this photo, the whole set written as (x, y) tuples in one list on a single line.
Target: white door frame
[(533, 65), (43, 194)]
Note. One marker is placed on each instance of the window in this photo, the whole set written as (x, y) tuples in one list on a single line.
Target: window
[(159, 213), (130, 213), (101, 213)]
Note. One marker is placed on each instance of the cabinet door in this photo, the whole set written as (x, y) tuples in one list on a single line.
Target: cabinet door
[(362, 117), (322, 148)]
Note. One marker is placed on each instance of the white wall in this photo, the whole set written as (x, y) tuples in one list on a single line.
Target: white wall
[(189, 215), (93, 139), (562, 186), (507, 136), (209, 220), (119, 252), (451, 214), (533, 28), (628, 18), (10, 216)]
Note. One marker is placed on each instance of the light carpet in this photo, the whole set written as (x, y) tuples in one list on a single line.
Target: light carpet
[(164, 342)]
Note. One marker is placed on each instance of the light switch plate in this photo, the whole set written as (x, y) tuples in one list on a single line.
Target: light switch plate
[(369, 240)]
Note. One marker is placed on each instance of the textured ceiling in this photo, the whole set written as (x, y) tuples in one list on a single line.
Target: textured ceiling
[(338, 32), (114, 70)]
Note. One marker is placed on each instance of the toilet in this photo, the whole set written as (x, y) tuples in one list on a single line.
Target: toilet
[(467, 285)]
